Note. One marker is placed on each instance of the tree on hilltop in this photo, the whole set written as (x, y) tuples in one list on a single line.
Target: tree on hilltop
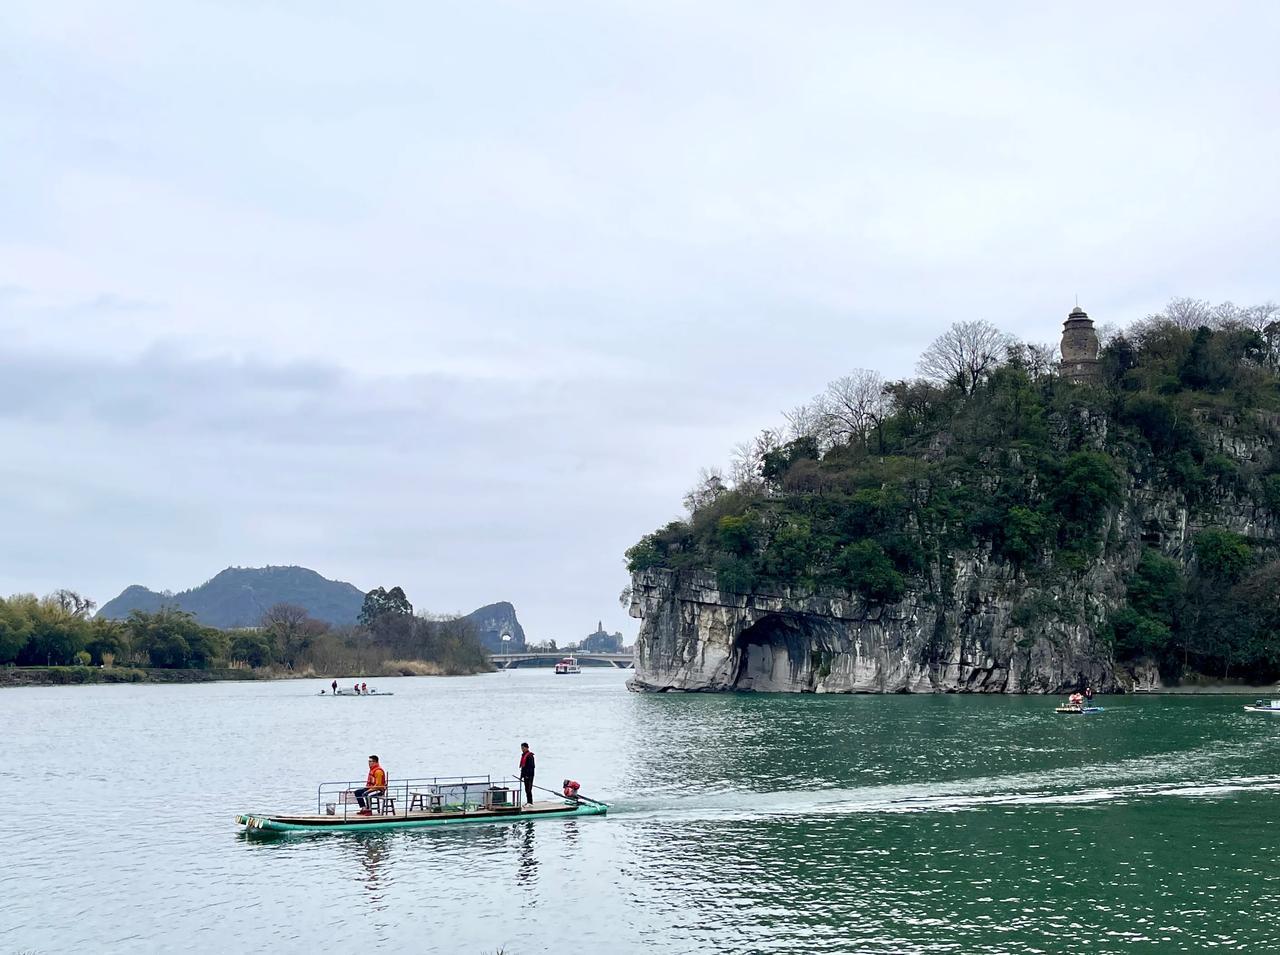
[(851, 406), (964, 355)]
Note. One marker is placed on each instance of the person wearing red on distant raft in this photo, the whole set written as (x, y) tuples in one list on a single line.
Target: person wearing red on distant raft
[(364, 687), (375, 784), (571, 788)]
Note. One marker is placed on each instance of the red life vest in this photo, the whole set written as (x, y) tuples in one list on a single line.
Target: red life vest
[(571, 788)]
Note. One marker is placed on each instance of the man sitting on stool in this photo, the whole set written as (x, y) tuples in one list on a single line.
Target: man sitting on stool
[(375, 784), (571, 790)]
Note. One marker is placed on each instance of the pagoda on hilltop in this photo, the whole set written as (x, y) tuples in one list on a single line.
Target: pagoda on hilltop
[(1080, 349)]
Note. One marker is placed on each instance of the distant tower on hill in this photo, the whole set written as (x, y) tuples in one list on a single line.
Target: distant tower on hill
[(1079, 348)]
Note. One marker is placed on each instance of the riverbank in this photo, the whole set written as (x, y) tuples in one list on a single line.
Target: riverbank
[(76, 675)]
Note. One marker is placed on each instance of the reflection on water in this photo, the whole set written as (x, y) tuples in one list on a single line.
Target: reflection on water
[(371, 851), (739, 823), (526, 856)]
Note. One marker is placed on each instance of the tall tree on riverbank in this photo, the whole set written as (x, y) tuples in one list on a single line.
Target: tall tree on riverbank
[(290, 631), (380, 603)]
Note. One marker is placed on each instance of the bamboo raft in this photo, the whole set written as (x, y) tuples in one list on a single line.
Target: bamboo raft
[(415, 804)]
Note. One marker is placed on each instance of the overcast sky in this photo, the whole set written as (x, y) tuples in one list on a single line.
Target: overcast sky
[(460, 296)]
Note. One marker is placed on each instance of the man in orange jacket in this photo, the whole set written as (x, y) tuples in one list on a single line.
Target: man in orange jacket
[(374, 784)]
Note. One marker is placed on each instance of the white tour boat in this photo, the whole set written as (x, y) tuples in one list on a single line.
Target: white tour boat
[(568, 665)]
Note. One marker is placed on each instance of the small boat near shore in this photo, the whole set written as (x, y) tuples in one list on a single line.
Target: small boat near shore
[(415, 804), (1263, 706)]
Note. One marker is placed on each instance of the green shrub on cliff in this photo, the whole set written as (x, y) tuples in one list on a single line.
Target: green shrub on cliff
[(1223, 556), (865, 568)]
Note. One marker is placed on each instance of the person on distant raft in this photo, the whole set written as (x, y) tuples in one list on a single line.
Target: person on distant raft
[(374, 784), (356, 687), (1088, 696), (335, 687), (526, 772), (364, 687), (571, 788)]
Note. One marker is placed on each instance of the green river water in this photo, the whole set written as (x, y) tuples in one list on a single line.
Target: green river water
[(740, 823)]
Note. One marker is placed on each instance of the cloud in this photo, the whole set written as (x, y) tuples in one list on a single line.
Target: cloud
[(467, 295), (167, 466)]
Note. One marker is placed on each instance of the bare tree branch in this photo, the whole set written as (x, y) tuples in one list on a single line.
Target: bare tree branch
[(709, 488), (853, 405), (964, 355), (804, 421)]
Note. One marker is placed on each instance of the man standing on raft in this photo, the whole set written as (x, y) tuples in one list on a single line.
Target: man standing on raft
[(526, 772)]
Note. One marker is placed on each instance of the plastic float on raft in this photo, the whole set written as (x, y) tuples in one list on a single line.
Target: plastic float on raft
[(1263, 706), (568, 665), (417, 803)]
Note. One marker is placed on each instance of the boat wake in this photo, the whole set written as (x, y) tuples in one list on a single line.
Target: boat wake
[(900, 799)]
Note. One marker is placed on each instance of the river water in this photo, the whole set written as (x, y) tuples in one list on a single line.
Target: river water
[(740, 823)]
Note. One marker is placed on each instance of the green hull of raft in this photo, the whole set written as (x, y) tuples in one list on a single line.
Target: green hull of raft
[(264, 825)]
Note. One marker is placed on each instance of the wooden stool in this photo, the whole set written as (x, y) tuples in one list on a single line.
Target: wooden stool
[(425, 802), (385, 805)]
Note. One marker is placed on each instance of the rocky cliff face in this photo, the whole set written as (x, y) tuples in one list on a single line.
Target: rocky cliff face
[(975, 625), (696, 637)]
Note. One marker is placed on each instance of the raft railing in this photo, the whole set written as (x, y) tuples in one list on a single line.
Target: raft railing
[(436, 794)]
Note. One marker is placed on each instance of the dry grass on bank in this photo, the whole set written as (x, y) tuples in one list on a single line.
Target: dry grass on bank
[(410, 668)]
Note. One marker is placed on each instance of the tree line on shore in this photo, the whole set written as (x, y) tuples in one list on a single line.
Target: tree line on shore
[(60, 630)]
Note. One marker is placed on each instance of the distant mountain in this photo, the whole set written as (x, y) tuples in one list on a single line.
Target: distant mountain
[(238, 596), (492, 622)]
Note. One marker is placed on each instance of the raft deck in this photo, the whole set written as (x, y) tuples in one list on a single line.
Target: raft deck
[(414, 803), (265, 824)]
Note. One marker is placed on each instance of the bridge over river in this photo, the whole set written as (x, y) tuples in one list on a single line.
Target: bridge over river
[(507, 661)]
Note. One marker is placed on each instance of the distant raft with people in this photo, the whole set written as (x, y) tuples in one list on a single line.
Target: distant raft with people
[(1080, 704), (418, 803), (354, 693), (1078, 709)]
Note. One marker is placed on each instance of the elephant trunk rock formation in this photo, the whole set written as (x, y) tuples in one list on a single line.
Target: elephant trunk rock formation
[(697, 637)]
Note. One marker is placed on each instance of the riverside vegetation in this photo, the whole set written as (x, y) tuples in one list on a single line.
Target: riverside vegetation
[(877, 489), (389, 639)]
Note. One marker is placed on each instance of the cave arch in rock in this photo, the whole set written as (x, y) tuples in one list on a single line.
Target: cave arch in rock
[(779, 652)]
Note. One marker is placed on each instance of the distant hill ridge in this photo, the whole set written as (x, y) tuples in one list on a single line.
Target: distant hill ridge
[(238, 596)]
